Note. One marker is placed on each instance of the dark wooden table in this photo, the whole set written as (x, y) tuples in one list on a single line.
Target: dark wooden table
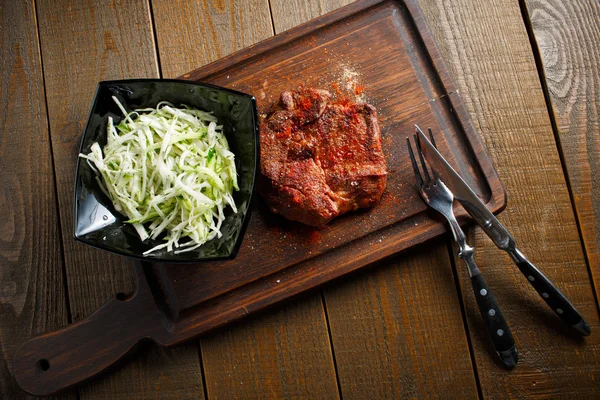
[(529, 73)]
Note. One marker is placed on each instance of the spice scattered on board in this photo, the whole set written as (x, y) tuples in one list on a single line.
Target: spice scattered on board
[(349, 84), (315, 237)]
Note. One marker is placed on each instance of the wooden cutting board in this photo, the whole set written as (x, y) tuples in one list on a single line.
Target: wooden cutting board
[(379, 51)]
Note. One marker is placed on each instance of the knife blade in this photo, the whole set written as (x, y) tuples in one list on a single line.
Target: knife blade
[(465, 195), (555, 299)]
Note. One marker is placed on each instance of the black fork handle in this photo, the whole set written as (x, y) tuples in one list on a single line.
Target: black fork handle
[(497, 327)]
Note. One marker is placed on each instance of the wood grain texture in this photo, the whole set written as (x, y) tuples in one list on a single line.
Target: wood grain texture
[(281, 354), (83, 43), (400, 83), (398, 330), (287, 14), (476, 38), (206, 31), (487, 49), (392, 339), (567, 35), (409, 65), (406, 84), (32, 293)]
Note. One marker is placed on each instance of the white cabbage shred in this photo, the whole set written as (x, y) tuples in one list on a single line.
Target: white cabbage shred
[(170, 171)]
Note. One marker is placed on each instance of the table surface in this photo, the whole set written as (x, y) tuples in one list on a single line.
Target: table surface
[(529, 73)]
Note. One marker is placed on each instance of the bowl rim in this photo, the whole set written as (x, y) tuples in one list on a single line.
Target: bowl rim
[(251, 202)]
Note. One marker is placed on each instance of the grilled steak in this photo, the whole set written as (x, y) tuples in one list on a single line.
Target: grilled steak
[(320, 158)]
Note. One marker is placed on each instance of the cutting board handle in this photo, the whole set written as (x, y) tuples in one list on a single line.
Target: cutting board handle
[(60, 359)]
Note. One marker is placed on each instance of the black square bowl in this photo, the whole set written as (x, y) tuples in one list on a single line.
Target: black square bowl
[(96, 221)]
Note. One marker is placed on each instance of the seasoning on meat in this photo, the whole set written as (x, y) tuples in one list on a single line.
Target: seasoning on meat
[(320, 158)]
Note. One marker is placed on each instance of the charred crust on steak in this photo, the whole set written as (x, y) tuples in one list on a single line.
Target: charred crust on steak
[(320, 158)]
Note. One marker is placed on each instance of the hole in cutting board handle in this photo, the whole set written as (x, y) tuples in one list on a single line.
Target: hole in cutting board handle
[(43, 364), (51, 362)]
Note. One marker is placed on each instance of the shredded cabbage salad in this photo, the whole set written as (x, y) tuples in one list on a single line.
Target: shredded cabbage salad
[(169, 170)]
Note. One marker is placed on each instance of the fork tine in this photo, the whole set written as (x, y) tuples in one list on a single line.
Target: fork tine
[(427, 177), (431, 137), (414, 163)]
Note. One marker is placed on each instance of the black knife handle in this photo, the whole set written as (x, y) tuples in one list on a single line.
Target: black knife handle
[(551, 295), (496, 324)]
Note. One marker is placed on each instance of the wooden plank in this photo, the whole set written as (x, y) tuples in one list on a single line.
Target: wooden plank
[(288, 14), (83, 43), (32, 292), (206, 31), (487, 49), (279, 355), (284, 353), (398, 330), (567, 36), (390, 340)]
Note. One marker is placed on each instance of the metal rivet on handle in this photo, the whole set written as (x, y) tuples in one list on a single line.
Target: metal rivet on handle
[(531, 278), (545, 295), (483, 292), (492, 312), (500, 332), (559, 310)]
